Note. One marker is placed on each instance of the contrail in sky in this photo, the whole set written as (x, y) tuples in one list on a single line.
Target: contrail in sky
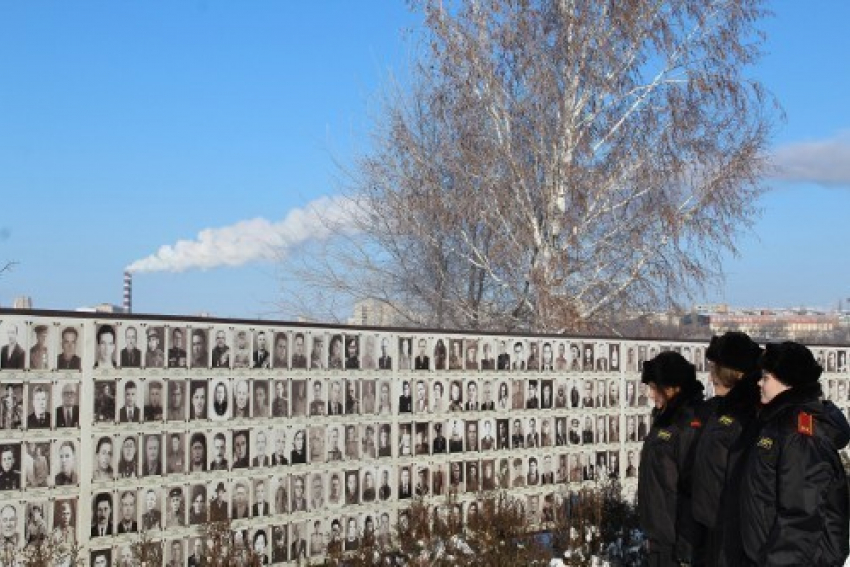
[(251, 240)]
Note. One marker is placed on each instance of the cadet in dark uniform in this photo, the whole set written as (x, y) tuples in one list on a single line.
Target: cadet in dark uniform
[(734, 372), (794, 496), (664, 499), (10, 477)]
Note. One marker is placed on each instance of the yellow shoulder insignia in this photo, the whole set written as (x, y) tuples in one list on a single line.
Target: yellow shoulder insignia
[(726, 420), (765, 443), (664, 435)]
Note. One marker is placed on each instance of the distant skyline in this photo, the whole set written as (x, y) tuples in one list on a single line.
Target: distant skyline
[(202, 136)]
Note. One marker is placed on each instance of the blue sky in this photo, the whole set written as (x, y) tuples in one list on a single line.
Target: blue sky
[(128, 126)]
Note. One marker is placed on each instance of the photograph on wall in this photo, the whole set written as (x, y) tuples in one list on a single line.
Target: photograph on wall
[(484, 348), (105, 347), (154, 353), (518, 355), (368, 351), (101, 557), (13, 354), (154, 400), (405, 354), (260, 398), (36, 465), (220, 354), (199, 344), (103, 469), (422, 358), (40, 355), (198, 399), (10, 466), (503, 396), (129, 456), (299, 352), (532, 362), (36, 523), (438, 402), (280, 357), (242, 354), (68, 349), (176, 400), (441, 354), (335, 353), (241, 402), (64, 521), (241, 449), (129, 396), (219, 500), (38, 416), (102, 523), (175, 507), (197, 461), (317, 351), (175, 452), (152, 455), (177, 355), (104, 401), (66, 463), (262, 358), (240, 500), (220, 406)]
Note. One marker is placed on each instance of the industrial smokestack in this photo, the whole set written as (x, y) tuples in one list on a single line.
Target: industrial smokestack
[(128, 292)]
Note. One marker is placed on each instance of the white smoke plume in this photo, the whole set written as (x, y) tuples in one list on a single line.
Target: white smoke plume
[(252, 240), (826, 162)]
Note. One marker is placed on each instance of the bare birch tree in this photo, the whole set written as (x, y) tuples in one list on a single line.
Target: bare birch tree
[(554, 162)]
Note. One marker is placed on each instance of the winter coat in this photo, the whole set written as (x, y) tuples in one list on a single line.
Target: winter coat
[(725, 418), (664, 486), (794, 498)]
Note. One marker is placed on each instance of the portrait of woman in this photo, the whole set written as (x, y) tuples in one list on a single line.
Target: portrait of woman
[(219, 401), (440, 355), (504, 401), (198, 401), (128, 462), (67, 475), (298, 455), (198, 509)]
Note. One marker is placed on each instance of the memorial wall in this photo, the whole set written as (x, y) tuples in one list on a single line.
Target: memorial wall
[(301, 434)]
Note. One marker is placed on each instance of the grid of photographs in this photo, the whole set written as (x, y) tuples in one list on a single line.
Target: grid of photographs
[(304, 437)]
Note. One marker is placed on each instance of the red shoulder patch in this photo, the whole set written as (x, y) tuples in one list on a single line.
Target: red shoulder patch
[(805, 424), (696, 423)]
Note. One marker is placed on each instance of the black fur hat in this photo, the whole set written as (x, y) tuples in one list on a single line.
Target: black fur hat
[(669, 369), (735, 350), (792, 363)]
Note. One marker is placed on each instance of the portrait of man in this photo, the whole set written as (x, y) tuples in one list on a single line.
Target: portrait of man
[(422, 362), (405, 489), (487, 360), (221, 350), (176, 400), (439, 444), (154, 355), (405, 401), (153, 455), (456, 354), (39, 354), (68, 358), (280, 358), (317, 352), (546, 394), (219, 505), (455, 439), (103, 470), (240, 449), (488, 404), (241, 399), (317, 405), (471, 396), (129, 412), (177, 352), (502, 436), (39, 417), (36, 465), (261, 356), (12, 355), (280, 404), (152, 516), (561, 363), (299, 358), (421, 446), (242, 350), (472, 435), (352, 349), (175, 458), (176, 515), (239, 506), (68, 412), (385, 361), (10, 467), (519, 356), (488, 442), (127, 523), (102, 515), (532, 401), (67, 455), (200, 355), (154, 410), (299, 497)]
